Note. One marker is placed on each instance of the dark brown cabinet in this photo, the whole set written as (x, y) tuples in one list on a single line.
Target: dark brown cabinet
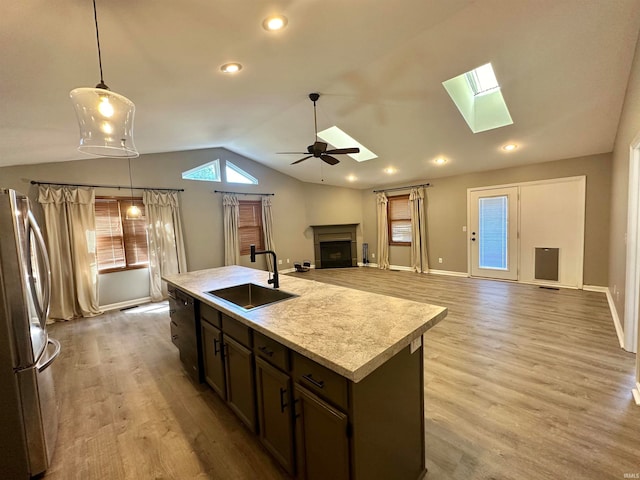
[(322, 440), (274, 413), (316, 423), (241, 393), (213, 361)]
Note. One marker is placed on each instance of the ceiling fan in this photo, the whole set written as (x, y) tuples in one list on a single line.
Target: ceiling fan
[(319, 149)]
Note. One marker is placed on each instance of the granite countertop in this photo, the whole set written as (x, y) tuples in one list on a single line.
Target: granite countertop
[(348, 331)]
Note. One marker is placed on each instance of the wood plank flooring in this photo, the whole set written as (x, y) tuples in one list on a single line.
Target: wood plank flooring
[(521, 383)]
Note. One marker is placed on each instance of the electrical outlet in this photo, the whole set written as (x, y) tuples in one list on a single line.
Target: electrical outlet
[(287, 260), (279, 262), (373, 255), (464, 228), (439, 259)]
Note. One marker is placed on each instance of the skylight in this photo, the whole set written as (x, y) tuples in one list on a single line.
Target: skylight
[(478, 97), (339, 139), (482, 79), (209, 172), (235, 174)]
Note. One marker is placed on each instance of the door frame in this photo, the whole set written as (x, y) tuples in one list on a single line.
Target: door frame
[(515, 255), (581, 178), (632, 282)]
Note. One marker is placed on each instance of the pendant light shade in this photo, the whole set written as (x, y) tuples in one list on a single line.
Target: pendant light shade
[(106, 122), (105, 117)]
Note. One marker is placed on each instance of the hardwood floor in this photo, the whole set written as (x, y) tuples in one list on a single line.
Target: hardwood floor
[(521, 383)]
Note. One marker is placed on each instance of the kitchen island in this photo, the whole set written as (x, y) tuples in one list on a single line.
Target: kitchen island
[(330, 379)]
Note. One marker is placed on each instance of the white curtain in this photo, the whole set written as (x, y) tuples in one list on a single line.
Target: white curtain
[(267, 229), (231, 213), (383, 231), (70, 222), (419, 259), (166, 242)]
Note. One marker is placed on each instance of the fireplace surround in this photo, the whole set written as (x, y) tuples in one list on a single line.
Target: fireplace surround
[(335, 246)]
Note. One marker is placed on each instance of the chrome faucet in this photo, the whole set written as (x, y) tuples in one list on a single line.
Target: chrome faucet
[(273, 280)]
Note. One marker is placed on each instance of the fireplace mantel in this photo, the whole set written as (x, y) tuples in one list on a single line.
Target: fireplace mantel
[(331, 235)]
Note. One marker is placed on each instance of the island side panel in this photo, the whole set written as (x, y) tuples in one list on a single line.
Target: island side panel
[(387, 417)]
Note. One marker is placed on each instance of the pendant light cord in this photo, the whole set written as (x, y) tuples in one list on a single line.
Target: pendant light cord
[(95, 18), (315, 117)]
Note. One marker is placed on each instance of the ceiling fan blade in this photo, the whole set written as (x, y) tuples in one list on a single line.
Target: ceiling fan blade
[(329, 159), (302, 159), (337, 151), (319, 147)]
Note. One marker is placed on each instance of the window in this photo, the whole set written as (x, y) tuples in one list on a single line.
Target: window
[(493, 226), (121, 243), (209, 172), (399, 218), (237, 175), (250, 226)]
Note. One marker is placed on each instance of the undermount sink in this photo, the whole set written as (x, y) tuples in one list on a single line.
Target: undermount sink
[(250, 295)]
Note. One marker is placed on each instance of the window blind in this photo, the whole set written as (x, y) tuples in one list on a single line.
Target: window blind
[(250, 226), (399, 218)]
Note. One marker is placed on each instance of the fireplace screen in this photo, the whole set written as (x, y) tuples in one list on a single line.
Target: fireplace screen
[(335, 254)]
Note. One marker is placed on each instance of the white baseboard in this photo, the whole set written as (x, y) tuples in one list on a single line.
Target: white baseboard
[(449, 273), (125, 304), (287, 270), (615, 316), (401, 268), (595, 288)]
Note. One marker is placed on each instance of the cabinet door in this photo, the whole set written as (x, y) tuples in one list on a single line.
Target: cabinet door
[(213, 360), (322, 443), (241, 395), (274, 412)]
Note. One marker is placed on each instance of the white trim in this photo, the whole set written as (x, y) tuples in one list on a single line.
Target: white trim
[(636, 394), (595, 288), (632, 280), (449, 273), (522, 184), (125, 304), (401, 268), (615, 317), (287, 270), (372, 265)]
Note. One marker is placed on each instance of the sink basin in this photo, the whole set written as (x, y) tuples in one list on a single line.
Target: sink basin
[(250, 295)]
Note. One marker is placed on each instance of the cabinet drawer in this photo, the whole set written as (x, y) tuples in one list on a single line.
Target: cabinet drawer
[(236, 330), (272, 351), (320, 380), (210, 314)]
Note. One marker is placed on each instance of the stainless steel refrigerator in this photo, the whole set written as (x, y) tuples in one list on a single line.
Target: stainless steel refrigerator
[(28, 407)]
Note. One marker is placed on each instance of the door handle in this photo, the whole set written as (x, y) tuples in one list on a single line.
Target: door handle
[(473, 239), (49, 361), (265, 350)]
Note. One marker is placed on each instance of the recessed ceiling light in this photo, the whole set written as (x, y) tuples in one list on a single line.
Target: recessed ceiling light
[(509, 147), (275, 22), (232, 67), (440, 161), (352, 178), (390, 170)]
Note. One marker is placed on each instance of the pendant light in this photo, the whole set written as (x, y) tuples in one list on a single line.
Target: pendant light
[(133, 212), (105, 117)]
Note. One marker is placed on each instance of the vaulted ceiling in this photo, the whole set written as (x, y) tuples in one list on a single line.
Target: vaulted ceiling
[(563, 67)]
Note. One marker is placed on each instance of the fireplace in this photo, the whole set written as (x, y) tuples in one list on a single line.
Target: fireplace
[(335, 246)]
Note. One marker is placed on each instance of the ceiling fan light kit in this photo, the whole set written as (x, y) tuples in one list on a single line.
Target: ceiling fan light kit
[(105, 117), (319, 149)]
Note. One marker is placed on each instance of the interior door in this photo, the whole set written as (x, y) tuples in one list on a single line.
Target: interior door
[(493, 233)]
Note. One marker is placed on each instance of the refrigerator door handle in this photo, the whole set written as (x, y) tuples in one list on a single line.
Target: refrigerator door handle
[(43, 366), (43, 310)]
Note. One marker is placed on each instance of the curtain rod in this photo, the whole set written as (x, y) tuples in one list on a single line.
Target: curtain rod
[(126, 187), (241, 193), (402, 188)]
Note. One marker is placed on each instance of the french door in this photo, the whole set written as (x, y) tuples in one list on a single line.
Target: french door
[(493, 233)]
